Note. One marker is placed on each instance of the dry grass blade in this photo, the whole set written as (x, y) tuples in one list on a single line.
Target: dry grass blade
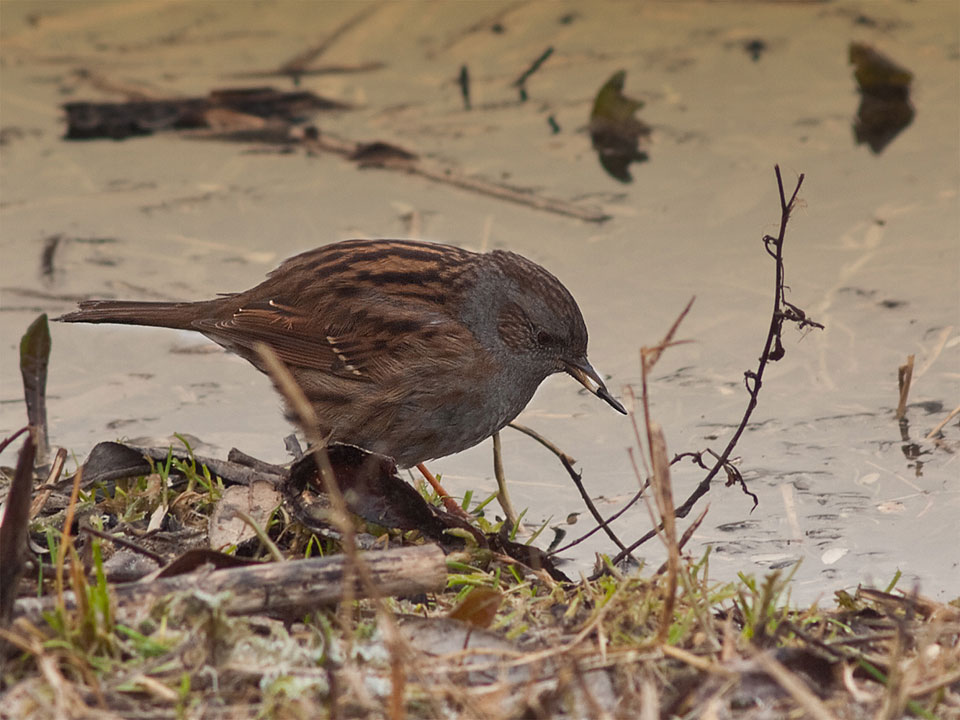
[(655, 352), (904, 378), (66, 538), (568, 463), (943, 423), (356, 567), (309, 424), (47, 488), (685, 538), (663, 496), (695, 661)]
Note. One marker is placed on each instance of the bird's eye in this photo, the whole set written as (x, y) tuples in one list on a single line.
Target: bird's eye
[(545, 339)]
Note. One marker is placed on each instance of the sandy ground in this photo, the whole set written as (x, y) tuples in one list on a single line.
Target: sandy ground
[(873, 253)]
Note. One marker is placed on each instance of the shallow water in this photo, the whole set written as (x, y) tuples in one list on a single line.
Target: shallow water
[(873, 252)]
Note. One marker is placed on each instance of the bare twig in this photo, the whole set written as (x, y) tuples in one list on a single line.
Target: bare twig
[(482, 25), (600, 526), (522, 196), (7, 440), (577, 478), (685, 538), (521, 82), (530, 432), (773, 350), (123, 542), (449, 175), (298, 63)]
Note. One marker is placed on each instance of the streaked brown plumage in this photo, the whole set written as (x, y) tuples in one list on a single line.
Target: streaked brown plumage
[(411, 349)]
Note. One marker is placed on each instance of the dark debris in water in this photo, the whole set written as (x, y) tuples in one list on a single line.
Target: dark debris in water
[(614, 131), (755, 47), (121, 120), (885, 108)]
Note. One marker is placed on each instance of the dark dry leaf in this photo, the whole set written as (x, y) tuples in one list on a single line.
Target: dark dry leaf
[(372, 490), (111, 461), (885, 109), (479, 607), (34, 361), (614, 130), (13, 531), (197, 558), (381, 154), (530, 555)]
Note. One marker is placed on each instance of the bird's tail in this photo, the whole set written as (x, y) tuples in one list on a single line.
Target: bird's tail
[(131, 312)]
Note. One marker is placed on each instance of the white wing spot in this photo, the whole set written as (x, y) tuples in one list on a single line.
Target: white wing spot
[(343, 358)]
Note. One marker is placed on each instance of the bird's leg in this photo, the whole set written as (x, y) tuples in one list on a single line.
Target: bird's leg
[(449, 503), (502, 495)]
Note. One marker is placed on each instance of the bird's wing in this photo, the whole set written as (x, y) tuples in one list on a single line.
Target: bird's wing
[(371, 342)]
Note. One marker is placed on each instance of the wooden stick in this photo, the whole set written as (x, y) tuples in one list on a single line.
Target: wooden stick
[(293, 587)]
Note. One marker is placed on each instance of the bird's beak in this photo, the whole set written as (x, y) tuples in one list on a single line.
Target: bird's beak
[(583, 373)]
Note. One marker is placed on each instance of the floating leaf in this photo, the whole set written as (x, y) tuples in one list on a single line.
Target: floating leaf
[(614, 130), (885, 108)]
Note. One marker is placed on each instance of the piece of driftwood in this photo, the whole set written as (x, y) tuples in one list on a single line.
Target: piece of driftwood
[(286, 588), (131, 118)]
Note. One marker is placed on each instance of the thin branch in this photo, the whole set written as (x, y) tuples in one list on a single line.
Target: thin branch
[(567, 463), (753, 380)]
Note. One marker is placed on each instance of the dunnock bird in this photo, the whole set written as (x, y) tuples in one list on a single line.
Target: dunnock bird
[(411, 349)]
